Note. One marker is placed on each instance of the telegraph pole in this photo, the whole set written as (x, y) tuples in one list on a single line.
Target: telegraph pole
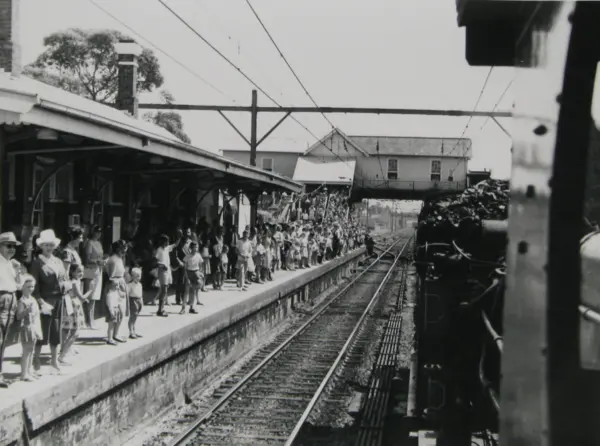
[(253, 146), (253, 126)]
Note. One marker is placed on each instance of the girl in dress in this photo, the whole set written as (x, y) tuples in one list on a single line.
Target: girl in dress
[(268, 258), (115, 312), (74, 322), (116, 296), (224, 263), (135, 293), (93, 257), (28, 313)]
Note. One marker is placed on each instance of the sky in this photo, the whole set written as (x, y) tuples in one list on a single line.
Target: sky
[(350, 53)]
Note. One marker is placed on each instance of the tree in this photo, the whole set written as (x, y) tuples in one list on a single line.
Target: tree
[(84, 62), (169, 120)]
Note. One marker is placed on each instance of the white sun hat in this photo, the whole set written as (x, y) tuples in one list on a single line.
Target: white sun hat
[(47, 237)]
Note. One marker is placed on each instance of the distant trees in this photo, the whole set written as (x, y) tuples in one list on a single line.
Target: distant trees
[(168, 120), (84, 62)]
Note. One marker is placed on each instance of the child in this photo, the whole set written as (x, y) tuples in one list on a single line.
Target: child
[(304, 250), (291, 258), (268, 262), (136, 301), (28, 312), (314, 250), (74, 321), (115, 312), (298, 254), (259, 259), (165, 277), (194, 277), (206, 272), (218, 273), (224, 263)]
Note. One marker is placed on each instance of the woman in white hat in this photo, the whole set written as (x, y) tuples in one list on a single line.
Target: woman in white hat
[(52, 285)]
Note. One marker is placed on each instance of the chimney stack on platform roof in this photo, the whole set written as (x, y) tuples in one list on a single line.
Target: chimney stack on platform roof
[(10, 45), (127, 100)]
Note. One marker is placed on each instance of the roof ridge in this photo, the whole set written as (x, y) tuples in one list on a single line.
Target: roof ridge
[(409, 137)]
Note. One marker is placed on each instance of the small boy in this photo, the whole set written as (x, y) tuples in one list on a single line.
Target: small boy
[(259, 260), (136, 300), (194, 273)]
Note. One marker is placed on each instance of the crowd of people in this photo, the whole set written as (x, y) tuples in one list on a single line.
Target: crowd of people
[(53, 299)]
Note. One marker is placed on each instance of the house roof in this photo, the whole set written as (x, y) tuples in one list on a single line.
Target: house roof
[(415, 146), (261, 150), (393, 145), (27, 101), (312, 171), (330, 135)]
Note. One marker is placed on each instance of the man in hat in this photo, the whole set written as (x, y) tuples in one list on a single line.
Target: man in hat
[(9, 283)]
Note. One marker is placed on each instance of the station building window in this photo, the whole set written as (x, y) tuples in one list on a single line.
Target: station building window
[(436, 170), (392, 169), (267, 164)]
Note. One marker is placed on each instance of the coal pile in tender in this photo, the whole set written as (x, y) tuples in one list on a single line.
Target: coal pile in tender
[(456, 217)]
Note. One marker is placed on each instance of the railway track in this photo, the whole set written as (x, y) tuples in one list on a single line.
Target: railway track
[(269, 399)]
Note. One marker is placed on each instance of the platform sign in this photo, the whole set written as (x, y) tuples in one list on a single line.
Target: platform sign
[(116, 229)]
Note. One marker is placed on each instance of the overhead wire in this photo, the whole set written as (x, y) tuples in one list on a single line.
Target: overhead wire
[(312, 99), (239, 70), (485, 82), (286, 61), (160, 50), (497, 103), (219, 24), (487, 78)]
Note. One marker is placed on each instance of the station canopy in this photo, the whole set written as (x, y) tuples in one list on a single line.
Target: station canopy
[(42, 120), (313, 171)]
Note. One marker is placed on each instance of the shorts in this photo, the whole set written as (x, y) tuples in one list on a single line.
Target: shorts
[(195, 277), (135, 306), (165, 277)]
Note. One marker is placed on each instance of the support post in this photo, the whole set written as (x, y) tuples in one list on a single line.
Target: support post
[(3, 176), (253, 146), (253, 125), (253, 197)]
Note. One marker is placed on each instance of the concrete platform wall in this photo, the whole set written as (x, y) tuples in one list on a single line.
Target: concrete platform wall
[(107, 404)]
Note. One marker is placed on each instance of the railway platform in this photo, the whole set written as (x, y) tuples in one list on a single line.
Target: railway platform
[(110, 390)]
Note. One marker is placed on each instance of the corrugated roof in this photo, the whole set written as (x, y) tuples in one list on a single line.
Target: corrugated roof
[(21, 97), (414, 146), (56, 96), (316, 171)]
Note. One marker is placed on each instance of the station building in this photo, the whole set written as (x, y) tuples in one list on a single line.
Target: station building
[(373, 166)]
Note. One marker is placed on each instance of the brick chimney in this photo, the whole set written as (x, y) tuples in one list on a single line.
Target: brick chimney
[(128, 51), (10, 49)]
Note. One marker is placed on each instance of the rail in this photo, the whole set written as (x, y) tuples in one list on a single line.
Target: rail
[(343, 351), (181, 439)]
